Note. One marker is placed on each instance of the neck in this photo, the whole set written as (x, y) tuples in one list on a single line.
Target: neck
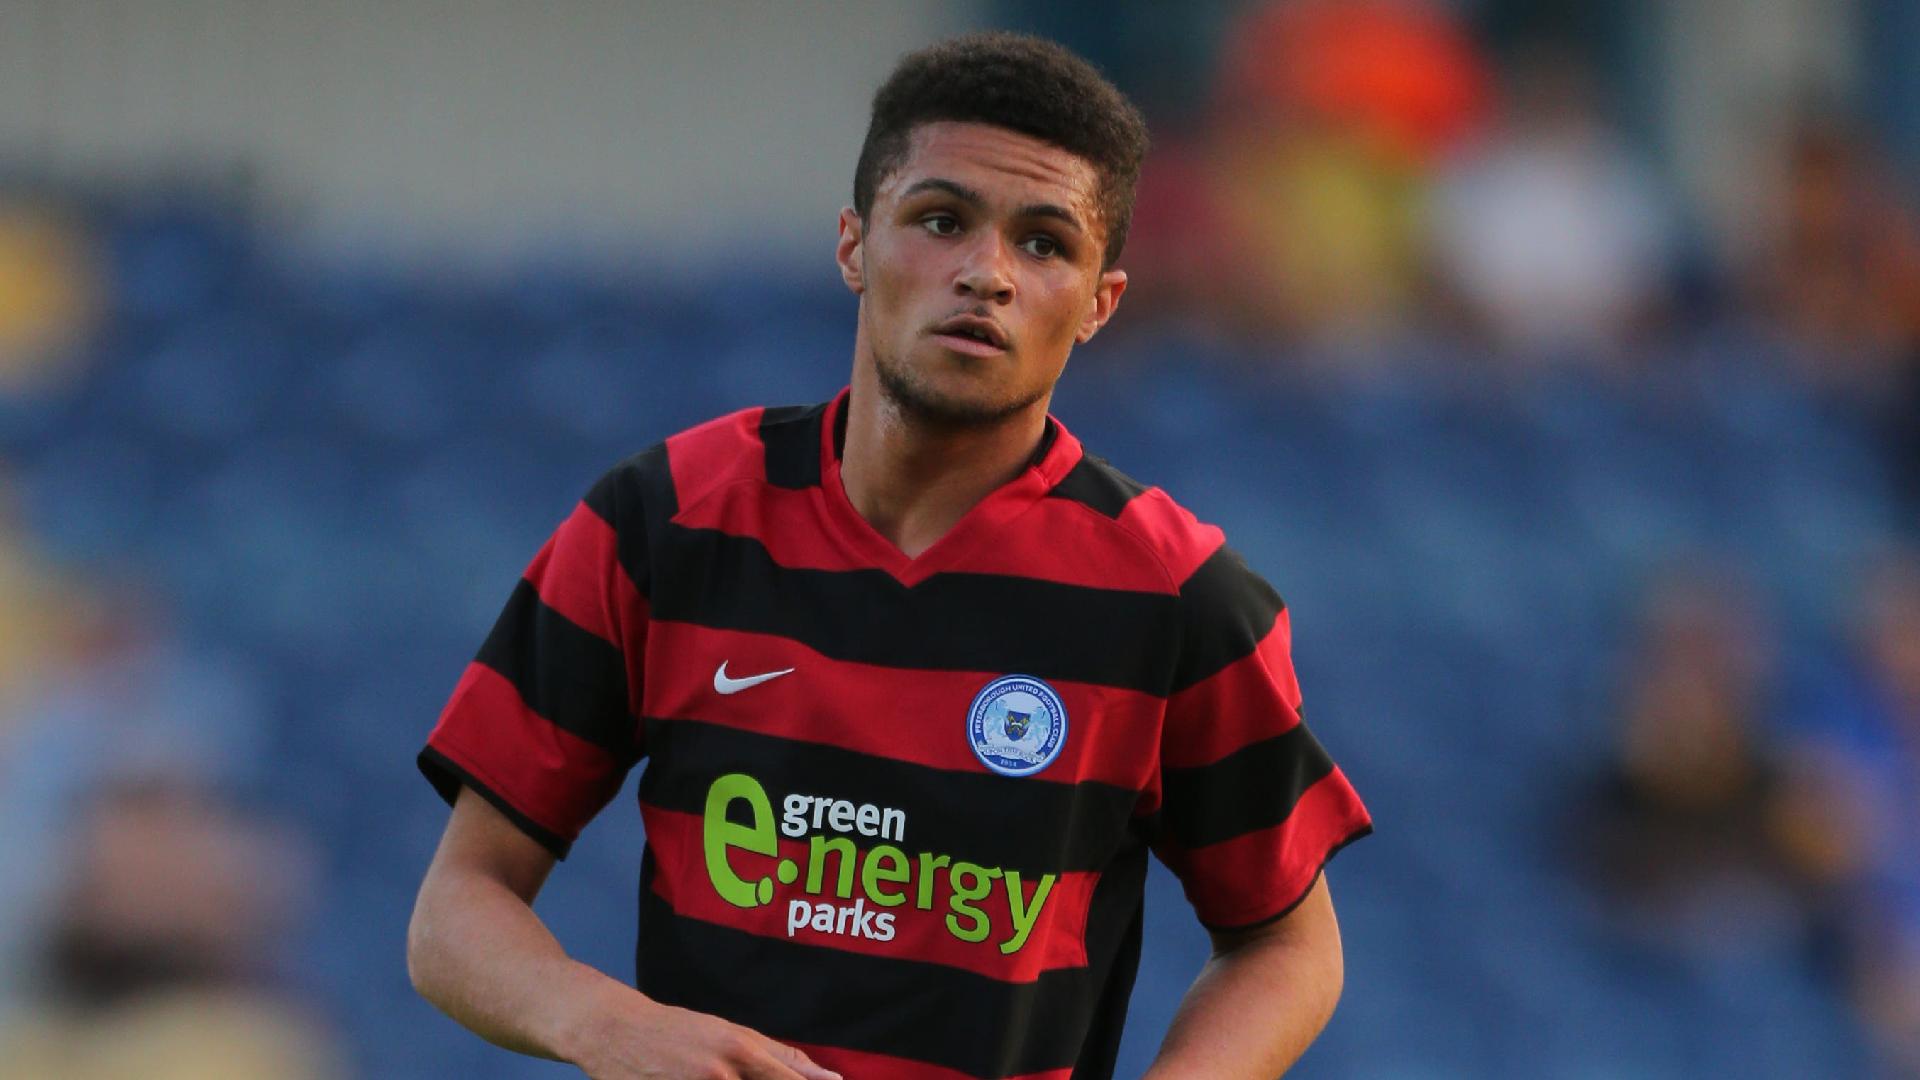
[(912, 480)]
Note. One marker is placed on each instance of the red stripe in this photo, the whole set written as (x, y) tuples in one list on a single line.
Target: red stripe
[(1253, 698), (712, 455), (1068, 542), (1113, 735), (1056, 941), (1182, 540), (578, 574), (1253, 877), (1053, 540), (791, 522), (856, 1065), (1155, 544), (552, 776)]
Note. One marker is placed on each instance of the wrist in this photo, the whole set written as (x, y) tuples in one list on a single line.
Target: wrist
[(589, 1008)]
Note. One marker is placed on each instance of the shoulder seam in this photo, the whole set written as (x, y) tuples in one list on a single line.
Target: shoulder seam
[(716, 427), (711, 493), (1173, 587)]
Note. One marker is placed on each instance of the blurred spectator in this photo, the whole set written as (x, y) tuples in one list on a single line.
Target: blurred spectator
[(158, 961), (37, 618), (43, 615), (1865, 715), (1402, 76), (92, 686), (1838, 270), (1304, 194), (1902, 435), (1710, 841), (48, 293), (1717, 77), (1183, 256), (1549, 232)]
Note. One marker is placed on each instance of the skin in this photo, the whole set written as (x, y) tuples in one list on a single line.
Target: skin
[(982, 221), (476, 950), (1261, 999), (977, 221)]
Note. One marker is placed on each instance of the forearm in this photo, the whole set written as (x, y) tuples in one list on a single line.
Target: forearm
[(1256, 1007), (480, 954)]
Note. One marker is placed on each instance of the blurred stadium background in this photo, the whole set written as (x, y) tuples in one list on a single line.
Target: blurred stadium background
[(1559, 362)]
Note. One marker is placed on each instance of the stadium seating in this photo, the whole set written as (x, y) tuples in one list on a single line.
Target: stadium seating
[(336, 472)]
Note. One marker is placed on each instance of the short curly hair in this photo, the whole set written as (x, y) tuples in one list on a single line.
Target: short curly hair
[(1019, 82)]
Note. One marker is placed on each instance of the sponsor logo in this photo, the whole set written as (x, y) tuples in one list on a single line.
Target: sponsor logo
[(1017, 725), (842, 889), (724, 685)]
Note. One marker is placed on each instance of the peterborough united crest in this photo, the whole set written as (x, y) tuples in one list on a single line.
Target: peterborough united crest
[(1017, 725)]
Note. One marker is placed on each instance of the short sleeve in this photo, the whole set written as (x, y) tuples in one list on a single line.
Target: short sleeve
[(1252, 807), (542, 723)]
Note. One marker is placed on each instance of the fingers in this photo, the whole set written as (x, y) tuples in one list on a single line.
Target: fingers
[(771, 1065), (770, 1060), (800, 1063)]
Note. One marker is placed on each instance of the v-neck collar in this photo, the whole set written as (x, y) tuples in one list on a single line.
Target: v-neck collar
[(1057, 454)]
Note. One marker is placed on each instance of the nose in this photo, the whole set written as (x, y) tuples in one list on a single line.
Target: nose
[(985, 273)]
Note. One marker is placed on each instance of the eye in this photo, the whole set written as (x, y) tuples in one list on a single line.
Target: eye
[(940, 224), (1042, 246)]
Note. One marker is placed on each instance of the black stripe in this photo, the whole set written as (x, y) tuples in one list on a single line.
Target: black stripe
[(636, 497), (983, 818), (791, 434), (571, 676), (1114, 920), (1227, 610), (1098, 484), (1252, 788), (949, 622), (900, 1007), (447, 778)]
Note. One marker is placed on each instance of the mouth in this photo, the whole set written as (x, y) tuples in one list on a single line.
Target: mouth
[(972, 335)]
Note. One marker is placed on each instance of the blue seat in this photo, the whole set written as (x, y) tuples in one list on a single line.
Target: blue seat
[(168, 260), (95, 500), (337, 472)]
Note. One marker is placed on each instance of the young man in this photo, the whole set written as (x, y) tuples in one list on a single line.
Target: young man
[(920, 683)]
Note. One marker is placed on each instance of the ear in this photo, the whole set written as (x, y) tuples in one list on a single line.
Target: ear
[(848, 252), (1106, 298)]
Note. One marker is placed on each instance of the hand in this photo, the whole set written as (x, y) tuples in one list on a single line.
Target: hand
[(639, 1039)]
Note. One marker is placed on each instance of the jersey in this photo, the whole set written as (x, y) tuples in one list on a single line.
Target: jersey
[(898, 810)]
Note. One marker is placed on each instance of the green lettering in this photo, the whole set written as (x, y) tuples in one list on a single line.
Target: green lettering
[(817, 868), (872, 872), (929, 862), (962, 897), (1023, 916), (718, 834)]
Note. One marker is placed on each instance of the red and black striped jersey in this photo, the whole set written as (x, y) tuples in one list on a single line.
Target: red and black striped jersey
[(898, 810)]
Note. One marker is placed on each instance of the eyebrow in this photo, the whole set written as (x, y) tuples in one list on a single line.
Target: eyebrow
[(973, 198)]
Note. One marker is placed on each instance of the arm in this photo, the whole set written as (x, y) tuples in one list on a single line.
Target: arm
[(1260, 1000), (476, 950)]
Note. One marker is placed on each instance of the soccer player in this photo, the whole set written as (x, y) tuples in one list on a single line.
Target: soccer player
[(920, 683)]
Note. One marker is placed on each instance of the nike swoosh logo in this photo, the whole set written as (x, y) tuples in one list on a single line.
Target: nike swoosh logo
[(724, 685)]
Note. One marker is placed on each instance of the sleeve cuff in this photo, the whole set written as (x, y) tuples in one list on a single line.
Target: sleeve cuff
[(1235, 927), (448, 777)]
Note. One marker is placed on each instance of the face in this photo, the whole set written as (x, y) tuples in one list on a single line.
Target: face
[(978, 270)]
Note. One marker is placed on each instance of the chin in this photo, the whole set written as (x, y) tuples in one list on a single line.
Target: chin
[(952, 399)]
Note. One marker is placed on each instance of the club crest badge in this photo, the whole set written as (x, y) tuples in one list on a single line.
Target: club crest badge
[(1017, 725)]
